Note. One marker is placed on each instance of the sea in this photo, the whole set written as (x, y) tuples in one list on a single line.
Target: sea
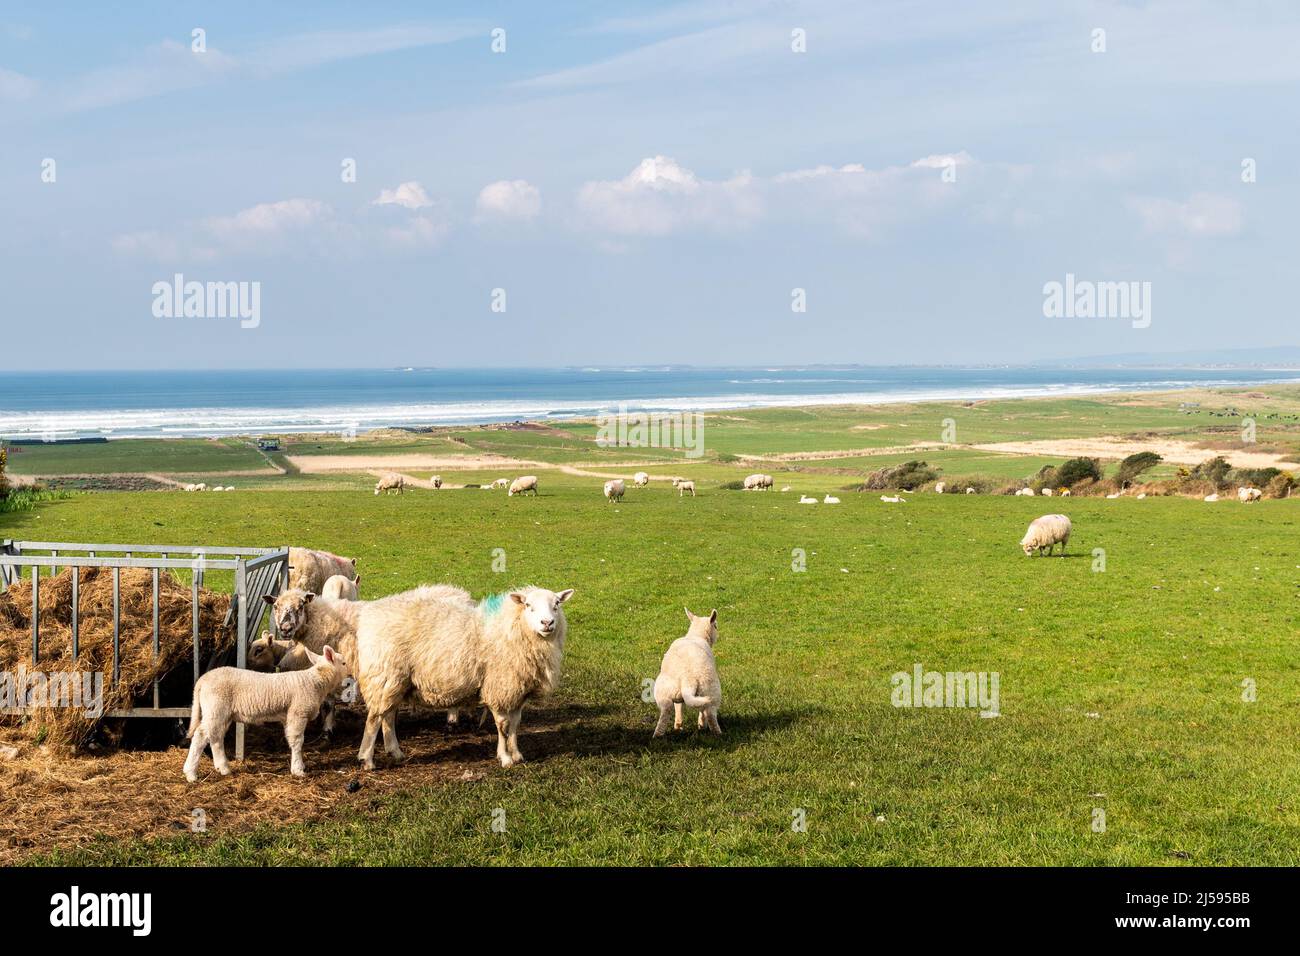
[(173, 404)]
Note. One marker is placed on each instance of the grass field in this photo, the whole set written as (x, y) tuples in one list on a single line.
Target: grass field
[(1121, 689)]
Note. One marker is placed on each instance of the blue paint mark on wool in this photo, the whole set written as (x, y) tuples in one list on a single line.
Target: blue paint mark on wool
[(493, 603)]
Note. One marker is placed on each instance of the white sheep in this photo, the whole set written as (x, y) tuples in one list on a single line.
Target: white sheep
[(301, 616), (391, 482), (227, 695), (805, 500), (309, 570), (758, 482), (893, 499), (615, 489), (939, 486), (1025, 492), (1047, 492), (684, 486), (265, 653), (201, 486), (640, 479), (786, 488), (436, 481), (830, 500), (501, 483), (339, 588), (522, 484), (970, 491), (1213, 497), (689, 675), (437, 645), (190, 487), (1247, 495), (1141, 495), (1046, 532), (1114, 495)]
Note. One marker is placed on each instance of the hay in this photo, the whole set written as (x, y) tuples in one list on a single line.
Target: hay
[(66, 727)]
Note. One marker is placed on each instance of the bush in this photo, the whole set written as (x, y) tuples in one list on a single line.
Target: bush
[(4, 482), (1076, 470), (1281, 485), (1214, 470), (732, 486), (25, 499), (728, 458), (1134, 465), (1254, 477), (909, 476)]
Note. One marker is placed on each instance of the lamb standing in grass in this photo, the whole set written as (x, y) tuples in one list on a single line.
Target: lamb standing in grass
[(614, 490), (1247, 495), (309, 570), (391, 483), (339, 588), (640, 479), (1045, 533), (227, 695), (685, 486), (436, 645), (689, 675), (520, 485)]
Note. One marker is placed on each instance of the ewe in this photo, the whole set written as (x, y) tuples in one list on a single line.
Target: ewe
[(615, 489), (640, 479), (391, 483), (1045, 533), (522, 484), (339, 588), (227, 695), (309, 570)]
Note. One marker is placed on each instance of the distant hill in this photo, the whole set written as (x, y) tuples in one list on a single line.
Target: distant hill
[(1274, 357)]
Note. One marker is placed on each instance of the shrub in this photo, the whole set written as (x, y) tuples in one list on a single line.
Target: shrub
[(1214, 470), (4, 482), (728, 458), (25, 499), (909, 476), (1254, 477), (1076, 470), (1134, 465), (1281, 485), (732, 486)]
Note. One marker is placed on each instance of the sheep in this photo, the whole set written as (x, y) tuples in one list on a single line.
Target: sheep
[(436, 481), (1046, 532), (436, 645), (894, 499), (265, 653), (1247, 495), (1064, 492), (830, 500), (786, 488), (1047, 492), (201, 486), (640, 479), (689, 675), (1141, 495), (614, 490), (339, 588), (685, 486), (300, 616), (970, 491), (1027, 492), (939, 486), (522, 484), (391, 482), (1213, 497), (805, 500), (758, 482), (500, 483), (228, 694), (1114, 495), (189, 487), (309, 570)]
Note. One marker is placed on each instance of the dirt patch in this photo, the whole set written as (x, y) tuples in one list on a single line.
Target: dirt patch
[(1109, 447), (49, 802), (109, 483)]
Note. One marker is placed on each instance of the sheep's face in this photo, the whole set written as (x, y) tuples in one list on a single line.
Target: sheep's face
[(260, 655), (541, 609), (1028, 549), (289, 611)]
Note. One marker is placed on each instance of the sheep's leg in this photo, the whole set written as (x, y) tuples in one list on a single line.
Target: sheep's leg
[(294, 731), (453, 718), (700, 722), (662, 725), (391, 745), (217, 738), (367, 752), (199, 741), (512, 741), (677, 719), (712, 714), (507, 724), (327, 717)]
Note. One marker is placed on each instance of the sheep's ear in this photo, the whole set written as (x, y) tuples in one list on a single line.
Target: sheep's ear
[(518, 597), (329, 653), (269, 599), (309, 597), (565, 595), (689, 615), (713, 616)]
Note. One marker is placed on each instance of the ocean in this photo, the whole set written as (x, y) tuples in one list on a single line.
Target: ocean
[(169, 404)]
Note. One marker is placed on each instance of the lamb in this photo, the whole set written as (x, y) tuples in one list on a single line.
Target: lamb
[(436, 481), (265, 653), (1213, 497), (1046, 532), (614, 490), (894, 499), (227, 695), (970, 491), (830, 500), (684, 486), (939, 486), (689, 675), (391, 482), (1141, 495), (1247, 495), (501, 483), (339, 588), (1025, 492), (436, 645), (805, 500), (640, 479), (520, 485), (309, 570), (1047, 492)]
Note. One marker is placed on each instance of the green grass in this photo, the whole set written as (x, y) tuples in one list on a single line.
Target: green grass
[(191, 455), (1195, 598)]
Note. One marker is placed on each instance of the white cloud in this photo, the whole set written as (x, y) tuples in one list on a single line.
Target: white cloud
[(509, 199), (1202, 216), (268, 218), (408, 195), (15, 86), (943, 160), (661, 196)]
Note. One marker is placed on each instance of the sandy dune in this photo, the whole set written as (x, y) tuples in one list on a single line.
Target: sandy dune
[(1173, 450)]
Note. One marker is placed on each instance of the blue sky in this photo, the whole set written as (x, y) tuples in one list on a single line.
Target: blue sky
[(647, 182)]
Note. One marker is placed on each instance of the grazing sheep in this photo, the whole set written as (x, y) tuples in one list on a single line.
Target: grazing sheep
[(309, 570), (436, 645), (939, 486), (391, 482), (893, 499), (758, 482), (805, 500), (522, 484), (615, 489), (689, 675), (436, 481), (201, 486), (227, 695), (970, 491), (1047, 492), (190, 487), (1247, 495), (684, 486), (1213, 497), (339, 588), (829, 500), (1025, 492), (640, 479), (265, 653), (1046, 532)]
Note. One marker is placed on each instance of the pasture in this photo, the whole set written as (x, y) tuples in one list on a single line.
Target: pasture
[(1121, 689)]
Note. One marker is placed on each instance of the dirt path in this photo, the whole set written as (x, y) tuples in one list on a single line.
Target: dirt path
[(1111, 447)]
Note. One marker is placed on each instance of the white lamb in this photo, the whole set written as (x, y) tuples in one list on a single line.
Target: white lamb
[(805, 500), (1025, 492), (685, 486), (640, 479), (1141, 495), (436, 481), (1047, 492), (939, 486), (522, 484), (436, 645), (265, 653), (1045, 533), (830, 500), (1213, 497), (615, 489), (689, 675), (893, 499), (227, 695), (309, 570), (501, 483), (970, 491), (1247, 495), (339, 588)]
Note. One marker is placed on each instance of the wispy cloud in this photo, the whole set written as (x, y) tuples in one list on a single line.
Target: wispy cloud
[(1201, 216), (515, 199)]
